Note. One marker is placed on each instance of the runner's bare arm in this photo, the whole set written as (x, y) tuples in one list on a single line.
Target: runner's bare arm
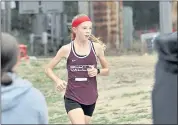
[(62, 53), (100, 53)]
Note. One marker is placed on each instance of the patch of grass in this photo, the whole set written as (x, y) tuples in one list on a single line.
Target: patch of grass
[(146, 116), (101, 120), (53, 98), (140, 111), (127, 118), (101, 112), (35, 64), (133, 94), (146, 97), (132, 104), (58, 117)]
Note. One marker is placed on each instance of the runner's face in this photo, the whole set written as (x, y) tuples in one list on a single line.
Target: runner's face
[(83, 31)]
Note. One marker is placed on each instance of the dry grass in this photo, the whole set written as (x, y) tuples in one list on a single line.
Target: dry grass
[(124, 96)]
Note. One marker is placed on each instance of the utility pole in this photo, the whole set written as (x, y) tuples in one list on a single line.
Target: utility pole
[(3, 17), (117, 29), (165, 16), (7, 17), (91, 13)]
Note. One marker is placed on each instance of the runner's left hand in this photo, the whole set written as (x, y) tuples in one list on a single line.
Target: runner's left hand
[(92, 71)]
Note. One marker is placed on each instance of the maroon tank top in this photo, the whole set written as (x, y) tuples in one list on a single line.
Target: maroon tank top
[(81, 87)]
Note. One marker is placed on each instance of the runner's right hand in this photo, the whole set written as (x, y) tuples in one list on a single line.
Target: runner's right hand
[(61, 85)]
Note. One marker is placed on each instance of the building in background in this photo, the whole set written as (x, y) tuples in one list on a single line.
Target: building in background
[(117, 23), (174, 14), (107, 18)]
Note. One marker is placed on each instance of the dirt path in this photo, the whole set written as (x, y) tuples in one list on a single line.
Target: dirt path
[(127, 91)]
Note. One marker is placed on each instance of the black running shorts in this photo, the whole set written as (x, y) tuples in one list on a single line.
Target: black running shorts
[(71, 104)]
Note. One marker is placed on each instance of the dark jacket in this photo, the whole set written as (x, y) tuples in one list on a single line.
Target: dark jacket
[(164, 94)]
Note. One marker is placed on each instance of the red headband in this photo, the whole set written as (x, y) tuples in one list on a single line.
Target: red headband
[(80, 20)]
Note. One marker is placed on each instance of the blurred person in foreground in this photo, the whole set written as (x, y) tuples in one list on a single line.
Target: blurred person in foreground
[(164, 94), (21, 103)]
